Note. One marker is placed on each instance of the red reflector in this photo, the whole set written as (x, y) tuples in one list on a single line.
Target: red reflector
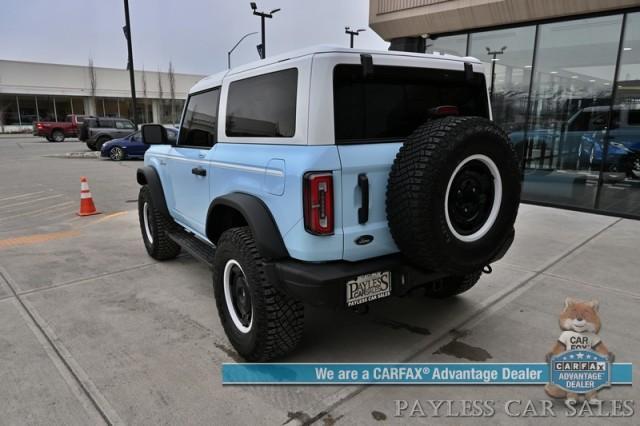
[(318, 203), (444, 110)]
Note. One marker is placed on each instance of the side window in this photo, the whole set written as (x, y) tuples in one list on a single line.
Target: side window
[(263, 106), (124, 125), (137, 137), (106, 124), (200, 120)]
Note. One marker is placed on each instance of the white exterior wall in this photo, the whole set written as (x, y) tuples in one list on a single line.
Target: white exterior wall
[(35, 78)]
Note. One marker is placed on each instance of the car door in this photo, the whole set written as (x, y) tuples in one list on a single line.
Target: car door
[(188, 160), (135, 145)]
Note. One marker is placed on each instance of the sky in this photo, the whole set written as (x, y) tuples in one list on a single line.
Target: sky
[(194, 34)]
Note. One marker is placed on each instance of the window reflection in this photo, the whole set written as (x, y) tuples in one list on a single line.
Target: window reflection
[(570, 98), (452, 45), (510, 74), (620, 190)]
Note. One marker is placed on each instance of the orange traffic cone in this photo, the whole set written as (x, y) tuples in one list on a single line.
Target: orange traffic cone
[(87, 208)]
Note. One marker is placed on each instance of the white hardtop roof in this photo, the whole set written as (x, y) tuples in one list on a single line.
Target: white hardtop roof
[(216, 79)]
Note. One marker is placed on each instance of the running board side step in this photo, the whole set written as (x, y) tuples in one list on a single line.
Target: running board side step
[(197, 248)]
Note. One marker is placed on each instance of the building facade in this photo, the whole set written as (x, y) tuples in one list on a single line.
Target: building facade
[(31, 91), (564, 79)]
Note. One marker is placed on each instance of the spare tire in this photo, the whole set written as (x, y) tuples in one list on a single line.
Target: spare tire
[(453, 195)]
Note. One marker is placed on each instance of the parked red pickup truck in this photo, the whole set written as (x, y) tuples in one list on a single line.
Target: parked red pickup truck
[(56, 131)]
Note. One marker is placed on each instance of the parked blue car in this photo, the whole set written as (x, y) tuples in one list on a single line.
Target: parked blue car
[(131, 146)]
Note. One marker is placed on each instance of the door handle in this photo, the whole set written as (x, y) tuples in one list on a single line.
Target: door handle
[(363, 212), (199, 171)]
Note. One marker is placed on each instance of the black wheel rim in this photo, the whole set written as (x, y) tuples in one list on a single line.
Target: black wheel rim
[(240, 296), (471, 197)]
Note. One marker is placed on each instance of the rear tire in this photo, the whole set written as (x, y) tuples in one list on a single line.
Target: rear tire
[(57, 136), (451, 286), (154, 227), (261, 322), (453, 195)]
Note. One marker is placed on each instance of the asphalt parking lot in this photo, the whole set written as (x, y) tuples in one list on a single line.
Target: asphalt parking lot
[(94, 331)]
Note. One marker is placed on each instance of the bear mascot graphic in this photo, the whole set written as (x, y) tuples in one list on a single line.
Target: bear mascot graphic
[(580, 325)]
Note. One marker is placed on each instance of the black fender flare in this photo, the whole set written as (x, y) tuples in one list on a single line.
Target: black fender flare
[(255, 214), (147, 175)]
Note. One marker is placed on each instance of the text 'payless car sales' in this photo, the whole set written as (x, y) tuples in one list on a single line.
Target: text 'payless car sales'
[(368, 287)]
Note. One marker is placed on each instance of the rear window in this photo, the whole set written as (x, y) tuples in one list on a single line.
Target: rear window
[(392, 102), (263, 106)]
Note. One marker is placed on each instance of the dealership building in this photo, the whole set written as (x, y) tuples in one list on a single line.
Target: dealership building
[(564, 79), (31, 91)]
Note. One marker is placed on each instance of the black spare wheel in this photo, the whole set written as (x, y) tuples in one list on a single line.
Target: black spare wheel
[(453, 194)]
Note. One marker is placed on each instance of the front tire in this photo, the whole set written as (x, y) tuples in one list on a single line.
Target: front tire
[(92, 146), (261, 322), (451, 286), (116, 153), (101, 141), (154, 227)]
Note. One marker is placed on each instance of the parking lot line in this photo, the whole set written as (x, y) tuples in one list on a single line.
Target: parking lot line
[(35, 200), (15, 197), (36, 238)]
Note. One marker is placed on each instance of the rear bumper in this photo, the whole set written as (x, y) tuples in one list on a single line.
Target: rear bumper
[(325, 284)]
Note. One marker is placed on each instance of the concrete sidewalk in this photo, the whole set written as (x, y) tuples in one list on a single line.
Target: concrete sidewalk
[(92, 330)]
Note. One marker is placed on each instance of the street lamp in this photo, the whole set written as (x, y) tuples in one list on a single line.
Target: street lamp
[(262, 48), (494, 53), (347, 30), (127, 34), (236, 45)]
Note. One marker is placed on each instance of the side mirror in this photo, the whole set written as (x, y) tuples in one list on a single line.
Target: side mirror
[(154, 134)]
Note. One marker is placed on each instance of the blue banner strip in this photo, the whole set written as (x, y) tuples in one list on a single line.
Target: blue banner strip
[(405, 374)]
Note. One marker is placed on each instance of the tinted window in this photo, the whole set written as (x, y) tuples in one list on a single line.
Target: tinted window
[(124, 125), (106, 124), (263, 106), (200, 120), (393, 101)]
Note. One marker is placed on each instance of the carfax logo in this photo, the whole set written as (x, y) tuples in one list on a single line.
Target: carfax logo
[(579, 361)]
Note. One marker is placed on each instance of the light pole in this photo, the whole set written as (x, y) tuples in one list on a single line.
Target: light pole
[(236, 45), (127, 34), (262, 49), (494, 53), (347, 30)]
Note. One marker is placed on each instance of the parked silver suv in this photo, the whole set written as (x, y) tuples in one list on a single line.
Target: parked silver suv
[(96, 131)]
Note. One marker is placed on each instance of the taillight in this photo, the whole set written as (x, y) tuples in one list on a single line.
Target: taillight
[(318, 203), (39, 125)]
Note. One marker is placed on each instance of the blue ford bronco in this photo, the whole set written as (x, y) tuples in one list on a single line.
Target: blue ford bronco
[(330, 177)]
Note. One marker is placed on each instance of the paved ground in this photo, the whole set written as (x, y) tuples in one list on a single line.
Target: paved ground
[(93, 331)]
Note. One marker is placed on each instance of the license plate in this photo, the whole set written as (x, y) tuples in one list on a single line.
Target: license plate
[(368, 287)]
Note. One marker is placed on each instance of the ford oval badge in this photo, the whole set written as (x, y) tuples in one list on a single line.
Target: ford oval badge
[(364, 239)]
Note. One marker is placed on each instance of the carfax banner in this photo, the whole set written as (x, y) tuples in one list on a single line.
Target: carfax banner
[(579, 376)]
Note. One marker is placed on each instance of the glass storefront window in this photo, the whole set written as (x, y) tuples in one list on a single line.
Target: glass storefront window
[(620, 191), (8, 111), (574, 72), (78, 106), (509, 75), (28, 112), (453, 45)]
